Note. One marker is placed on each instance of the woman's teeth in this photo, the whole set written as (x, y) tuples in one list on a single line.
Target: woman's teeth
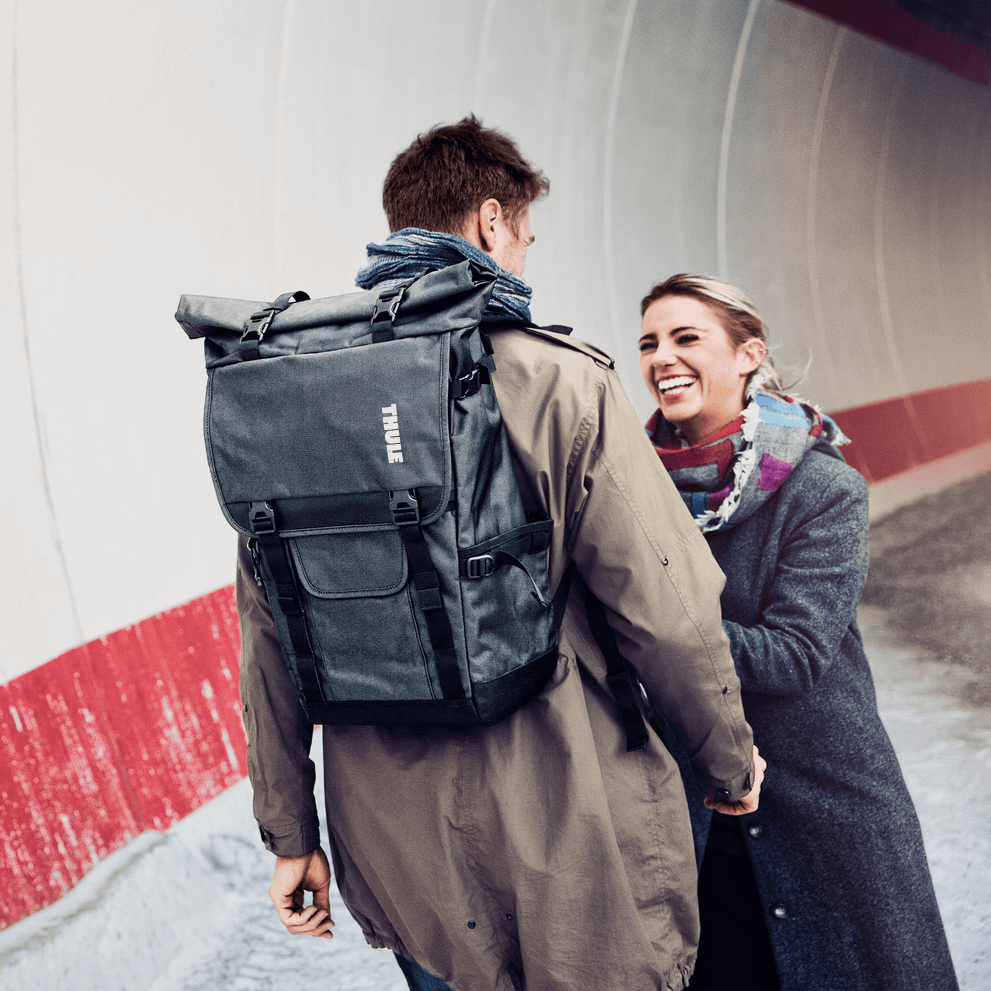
[(669, 386)]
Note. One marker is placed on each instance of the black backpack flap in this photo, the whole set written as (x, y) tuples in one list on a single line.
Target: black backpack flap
[(350, 565), (326, 437), (450, 299)]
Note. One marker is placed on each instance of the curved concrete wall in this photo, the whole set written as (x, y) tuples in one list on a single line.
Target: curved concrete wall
[(237, 148)]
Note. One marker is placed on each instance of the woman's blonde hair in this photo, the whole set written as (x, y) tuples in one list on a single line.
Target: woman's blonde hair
[(741, 318)]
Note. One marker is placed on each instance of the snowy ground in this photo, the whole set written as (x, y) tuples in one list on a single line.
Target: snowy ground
[(247, 948), (927, 627), (944, 744), (190, 912)]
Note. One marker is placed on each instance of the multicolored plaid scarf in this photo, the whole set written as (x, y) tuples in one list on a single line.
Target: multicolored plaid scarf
[(727, 477), (410, 252)]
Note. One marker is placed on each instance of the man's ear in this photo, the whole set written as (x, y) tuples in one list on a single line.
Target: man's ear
[(485, 218), (481, 227)]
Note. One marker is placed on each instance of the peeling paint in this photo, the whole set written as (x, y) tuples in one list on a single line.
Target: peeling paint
[(131, 731)]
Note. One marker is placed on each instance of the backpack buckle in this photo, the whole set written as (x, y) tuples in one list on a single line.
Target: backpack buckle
[(404, 507), (261, 517), (468, 385), (384, 313), (480, 567), (256, 326)]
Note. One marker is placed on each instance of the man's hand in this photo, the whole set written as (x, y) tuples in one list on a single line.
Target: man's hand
[(749, 801), (291, 877)]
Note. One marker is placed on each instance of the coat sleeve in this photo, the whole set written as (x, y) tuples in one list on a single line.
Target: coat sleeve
[(279, 734), (640, 552), (812, 601)]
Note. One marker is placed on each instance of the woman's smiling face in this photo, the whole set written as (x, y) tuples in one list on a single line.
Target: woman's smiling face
[(692, 368)]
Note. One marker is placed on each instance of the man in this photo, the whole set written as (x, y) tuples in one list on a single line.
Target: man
[(537, 853)]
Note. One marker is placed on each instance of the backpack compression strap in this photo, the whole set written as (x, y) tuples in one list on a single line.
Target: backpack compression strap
[(261, 517), (406, 514)]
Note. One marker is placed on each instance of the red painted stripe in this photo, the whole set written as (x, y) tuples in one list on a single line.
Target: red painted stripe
[(906, 432), (129, 732), (896, 27)]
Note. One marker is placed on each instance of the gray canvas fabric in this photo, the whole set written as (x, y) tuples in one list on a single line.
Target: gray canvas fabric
[(367, 457)]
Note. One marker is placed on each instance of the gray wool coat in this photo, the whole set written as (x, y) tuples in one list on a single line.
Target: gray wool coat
[(835, 846)]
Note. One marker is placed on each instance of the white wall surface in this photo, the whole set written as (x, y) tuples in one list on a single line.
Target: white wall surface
[(237, 147)]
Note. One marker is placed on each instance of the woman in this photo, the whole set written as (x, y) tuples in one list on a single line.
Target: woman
[(826, 886)]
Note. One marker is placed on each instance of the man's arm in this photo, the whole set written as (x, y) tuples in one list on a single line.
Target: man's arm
[(749, 801), (583, 457), (643, 556), (279, 734), (279, 766)]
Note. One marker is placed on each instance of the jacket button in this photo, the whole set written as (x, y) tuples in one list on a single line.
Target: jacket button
[(756, 831), (471, 925), (779, 911)]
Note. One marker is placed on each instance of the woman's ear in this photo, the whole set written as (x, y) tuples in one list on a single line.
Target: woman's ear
[(752, 352)]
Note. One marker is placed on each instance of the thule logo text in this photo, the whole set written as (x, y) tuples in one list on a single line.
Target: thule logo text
[(390, 423)]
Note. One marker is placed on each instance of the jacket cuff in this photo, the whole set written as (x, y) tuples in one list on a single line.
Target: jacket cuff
[(301, 839), (731, 790)]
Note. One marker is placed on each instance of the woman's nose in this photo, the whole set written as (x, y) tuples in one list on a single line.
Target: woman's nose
[(663, 356)]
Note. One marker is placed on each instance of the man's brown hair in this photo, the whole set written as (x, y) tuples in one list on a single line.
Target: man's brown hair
[(449, 172)]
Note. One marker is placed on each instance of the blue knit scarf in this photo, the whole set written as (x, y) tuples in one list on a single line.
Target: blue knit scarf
[(411, 252)]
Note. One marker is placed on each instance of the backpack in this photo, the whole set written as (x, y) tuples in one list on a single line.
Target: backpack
[(358, 443)]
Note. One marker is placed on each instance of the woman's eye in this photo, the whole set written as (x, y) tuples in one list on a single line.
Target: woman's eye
[(686, 338), (647, 345)]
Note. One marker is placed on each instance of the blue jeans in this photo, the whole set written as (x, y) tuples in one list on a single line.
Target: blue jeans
[(419, 979)]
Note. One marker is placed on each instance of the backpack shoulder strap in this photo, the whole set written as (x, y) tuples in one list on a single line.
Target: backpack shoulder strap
[(618, 675)]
